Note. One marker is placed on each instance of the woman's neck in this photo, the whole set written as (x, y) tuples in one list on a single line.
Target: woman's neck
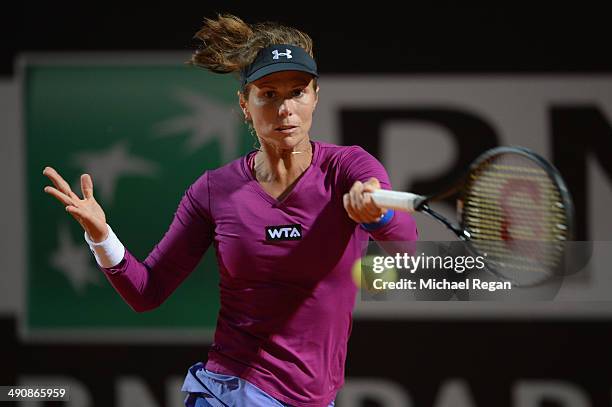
[(282, 165)]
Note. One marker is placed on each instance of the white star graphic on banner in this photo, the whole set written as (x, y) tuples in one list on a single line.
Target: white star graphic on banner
[(74, 261), (106, 167), (207, 119)]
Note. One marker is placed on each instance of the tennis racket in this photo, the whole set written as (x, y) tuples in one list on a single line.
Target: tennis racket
[(512, 205)]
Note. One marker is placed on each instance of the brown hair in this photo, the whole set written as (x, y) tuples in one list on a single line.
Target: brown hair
[(229, 44)]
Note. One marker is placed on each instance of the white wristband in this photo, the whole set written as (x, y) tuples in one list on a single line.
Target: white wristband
[(109, 252)]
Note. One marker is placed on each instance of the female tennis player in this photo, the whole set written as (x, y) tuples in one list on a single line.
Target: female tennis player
[(287, 222)]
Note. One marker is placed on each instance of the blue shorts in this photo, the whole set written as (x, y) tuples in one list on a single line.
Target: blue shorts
[(207, 388)]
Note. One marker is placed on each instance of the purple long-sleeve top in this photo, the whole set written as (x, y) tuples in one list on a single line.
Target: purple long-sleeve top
[(286, 303)]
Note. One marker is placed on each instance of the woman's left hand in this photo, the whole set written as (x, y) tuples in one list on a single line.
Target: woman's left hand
[(359, 204)]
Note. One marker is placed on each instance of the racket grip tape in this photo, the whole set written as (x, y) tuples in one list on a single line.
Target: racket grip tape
[(403, 201)]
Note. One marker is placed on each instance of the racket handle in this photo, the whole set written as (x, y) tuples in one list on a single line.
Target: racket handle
[(403, 201)]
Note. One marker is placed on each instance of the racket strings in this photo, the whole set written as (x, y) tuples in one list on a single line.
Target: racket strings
[(515, 213)]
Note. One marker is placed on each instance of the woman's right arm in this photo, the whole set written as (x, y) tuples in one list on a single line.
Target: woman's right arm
[(143, 285)]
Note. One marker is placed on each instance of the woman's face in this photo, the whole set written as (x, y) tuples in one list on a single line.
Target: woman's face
[(280, 106)]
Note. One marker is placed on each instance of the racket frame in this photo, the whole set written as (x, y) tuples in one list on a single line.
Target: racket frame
[(421, 203), (550, 170)]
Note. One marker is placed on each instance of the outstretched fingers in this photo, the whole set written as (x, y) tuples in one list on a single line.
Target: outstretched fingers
[(59, 182), (60, 196)]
